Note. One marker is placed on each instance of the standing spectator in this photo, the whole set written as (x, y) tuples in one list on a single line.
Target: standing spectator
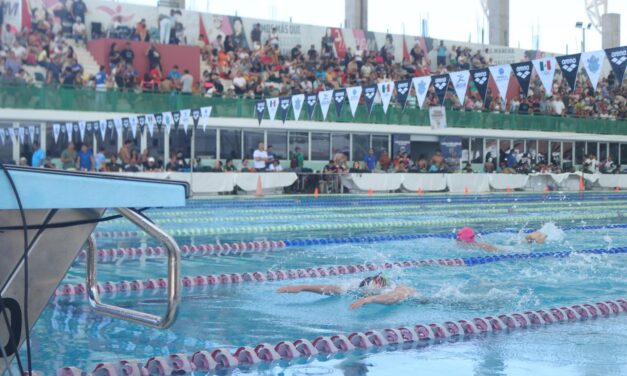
[(8, 37), (79, 31), (273, 39), (127, 54), (559, 109), (441, 59), (114, 56), (142, 31), (125, 152), (79, 9), (165, 27), (38, 157), (255, 36), (154, 59), (100, 79), (298, 159), (260, 157), (68, 157), (271, 156), (85, 159), (370, 160), (187, 83)]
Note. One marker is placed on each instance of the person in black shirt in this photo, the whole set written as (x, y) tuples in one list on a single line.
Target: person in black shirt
[(114, 55), (113, 164), (255, 35), (68, 78), (296, 54), (523, 108), (79, 9), (127, 54)]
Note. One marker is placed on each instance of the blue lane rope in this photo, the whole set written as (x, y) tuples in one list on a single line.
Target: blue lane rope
[(470, 261)]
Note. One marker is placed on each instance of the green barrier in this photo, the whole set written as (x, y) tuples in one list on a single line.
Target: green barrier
[(55, 98)]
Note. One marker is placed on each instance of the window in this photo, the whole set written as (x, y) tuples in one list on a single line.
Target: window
[(476, 145), (205, 143), (543, 150), (6, 147), (155, 144), (320, 146), (340, 142), (379, 144), (519, 146), (54, 149), (505, 145), (602, 151), (567, 154), (614, 152), (230, 144), (278, 140), (179, 141), (623, 154), (491, 150), (300, 139), (110, 141), (580, 151), (531, 147), (593, 148), (26, 148), (361, 144), (465, 149), (251, 142), (556, 153)]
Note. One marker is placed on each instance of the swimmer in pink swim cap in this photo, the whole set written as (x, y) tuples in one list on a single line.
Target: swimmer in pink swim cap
[(466, 237)]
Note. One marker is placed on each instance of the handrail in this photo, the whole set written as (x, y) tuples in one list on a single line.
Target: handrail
[(173, 280)]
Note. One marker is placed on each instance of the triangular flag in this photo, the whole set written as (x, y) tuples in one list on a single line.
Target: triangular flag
[(21, 132), (260, 109), (2, 136), (522, 72), (480, 77), (150, 123), (167, 121), (593, 61), (421, 86), (459, 80), (133, 121), (325, 98), (545, 68), (385, 91), (12, 134), (617, 57), (141, 121), (88, 128), (56, 129), (284, 107), (273, 106), (185, 119), (339, 95), (569, 65), (370, 92), (205, 114), (354, 95), (118, 127), (402, 92), (69, 128), (176, 119), (81, 130), (125, 123), (159, 121), (102, 127), (440, 84), (310, 102), (195, 117), (297, 104), (501, 74), (31, 133)]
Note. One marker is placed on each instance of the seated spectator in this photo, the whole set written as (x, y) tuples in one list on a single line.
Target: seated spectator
[(590, 165), (358, 168), (275, 166), (217, 166), (151, 165), (229, 167), (114, 165), (148, 84), (79, 31), (48, 163), (173, 164), (141, 31), (100, 159), (468, 168), (384, 161), (187, 83), (244, 166), (125, 152), (23, 161), (331, 168), (609, 167), (8, 37)]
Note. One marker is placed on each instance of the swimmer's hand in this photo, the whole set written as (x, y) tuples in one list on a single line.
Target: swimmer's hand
[(399, 294), (359, 302)]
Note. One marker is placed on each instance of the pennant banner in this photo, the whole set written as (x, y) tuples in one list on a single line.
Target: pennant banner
[(618, 61), (12, 134), (311, 100), (195, 113), (480, 78), (385, 91), (460, 84), (150, 123), (260, 109), (2, 135), (176, 119), (205, 114), (297, 104), (593, 61), (284, 105), (569, 65), (440, 84), (159, 121), (501, 74), (69, 128), (56, 129), (81, 130), (31, 133), (21, 132), (117, 122), (102, 127), (421, 86), (370, 92), (522, 72), (402, 92), (325, 97), (185, 119), (354, 94), (339, 95), (167, 121), (545, 68), (141, 121), (273, 106)]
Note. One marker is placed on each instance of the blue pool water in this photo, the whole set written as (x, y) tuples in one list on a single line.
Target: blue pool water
[(250, 313)]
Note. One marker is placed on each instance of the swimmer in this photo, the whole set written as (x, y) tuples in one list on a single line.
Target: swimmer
[(466, 238), (375, 290), (548, 233)]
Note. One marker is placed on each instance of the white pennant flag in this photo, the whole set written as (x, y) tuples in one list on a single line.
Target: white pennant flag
[(385, 92), (297, 104), (81, 129), (102, 126), (150, 123), (133, 120), (273, 105), (31, 133), (501, 75), (185, 119), (421, 86), (117, 122), (56, 129), (20, 132), (545, 68), (205, 113), (325, 98), (460, 83), (354, 94), (69, 128), (12, 134), (167, 120), (593, 62), (2, 136)]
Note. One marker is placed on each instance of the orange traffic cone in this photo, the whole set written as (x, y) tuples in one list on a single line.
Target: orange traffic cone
[(617, 189), (508, 189), (420, 191), (370, 191), (581, 186), (259, 192), (316, 192), (466, 190)]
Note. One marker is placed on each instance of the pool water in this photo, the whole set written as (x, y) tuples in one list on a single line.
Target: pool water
[(249, 313)]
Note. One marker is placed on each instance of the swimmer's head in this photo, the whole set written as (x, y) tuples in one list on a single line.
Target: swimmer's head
[(466, 235), (378, 281)]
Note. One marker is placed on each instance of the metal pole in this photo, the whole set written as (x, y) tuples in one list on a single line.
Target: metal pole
[(193, 161)]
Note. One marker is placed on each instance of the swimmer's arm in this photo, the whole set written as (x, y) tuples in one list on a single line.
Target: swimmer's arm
[(318, 289), (398, 295), (488, 247)]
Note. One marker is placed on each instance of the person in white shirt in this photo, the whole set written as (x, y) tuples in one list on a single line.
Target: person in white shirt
[(590, 165), (260, 157), (558, 107), (275, 166)]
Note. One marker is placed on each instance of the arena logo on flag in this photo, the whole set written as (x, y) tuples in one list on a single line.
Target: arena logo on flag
[(440, 83), (522, 71), (370, 92), (402, 92), (569, 64), (618, 61), (311, 101)]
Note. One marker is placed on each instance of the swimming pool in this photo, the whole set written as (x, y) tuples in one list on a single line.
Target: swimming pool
[(226, 241)]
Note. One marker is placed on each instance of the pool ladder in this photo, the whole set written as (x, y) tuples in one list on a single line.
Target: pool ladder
[(174, 283)]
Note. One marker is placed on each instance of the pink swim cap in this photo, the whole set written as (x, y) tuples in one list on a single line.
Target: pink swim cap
[(466, 235)]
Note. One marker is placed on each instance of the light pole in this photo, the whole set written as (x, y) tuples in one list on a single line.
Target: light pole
[(580, 25)]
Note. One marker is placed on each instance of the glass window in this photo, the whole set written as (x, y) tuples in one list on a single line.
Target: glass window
[(556, 154), (505, 145), (593, 148), (251, 142), (300, 139), (54, 149), (340, 142), (26, 149), (465, 150), (179, 141), (623, 154), (361, 144), (614, 151), (6, 147), (156, 144), (519, 146), (230, 144), (602, 151), (320, 146), (110, 142), (543, 151), (476, 145), (531, 147), (580, 151), (278, 140), (205, 143), (379, 144), (491, 150)]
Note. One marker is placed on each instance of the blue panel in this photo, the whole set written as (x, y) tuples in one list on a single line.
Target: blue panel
[(45, 190)]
